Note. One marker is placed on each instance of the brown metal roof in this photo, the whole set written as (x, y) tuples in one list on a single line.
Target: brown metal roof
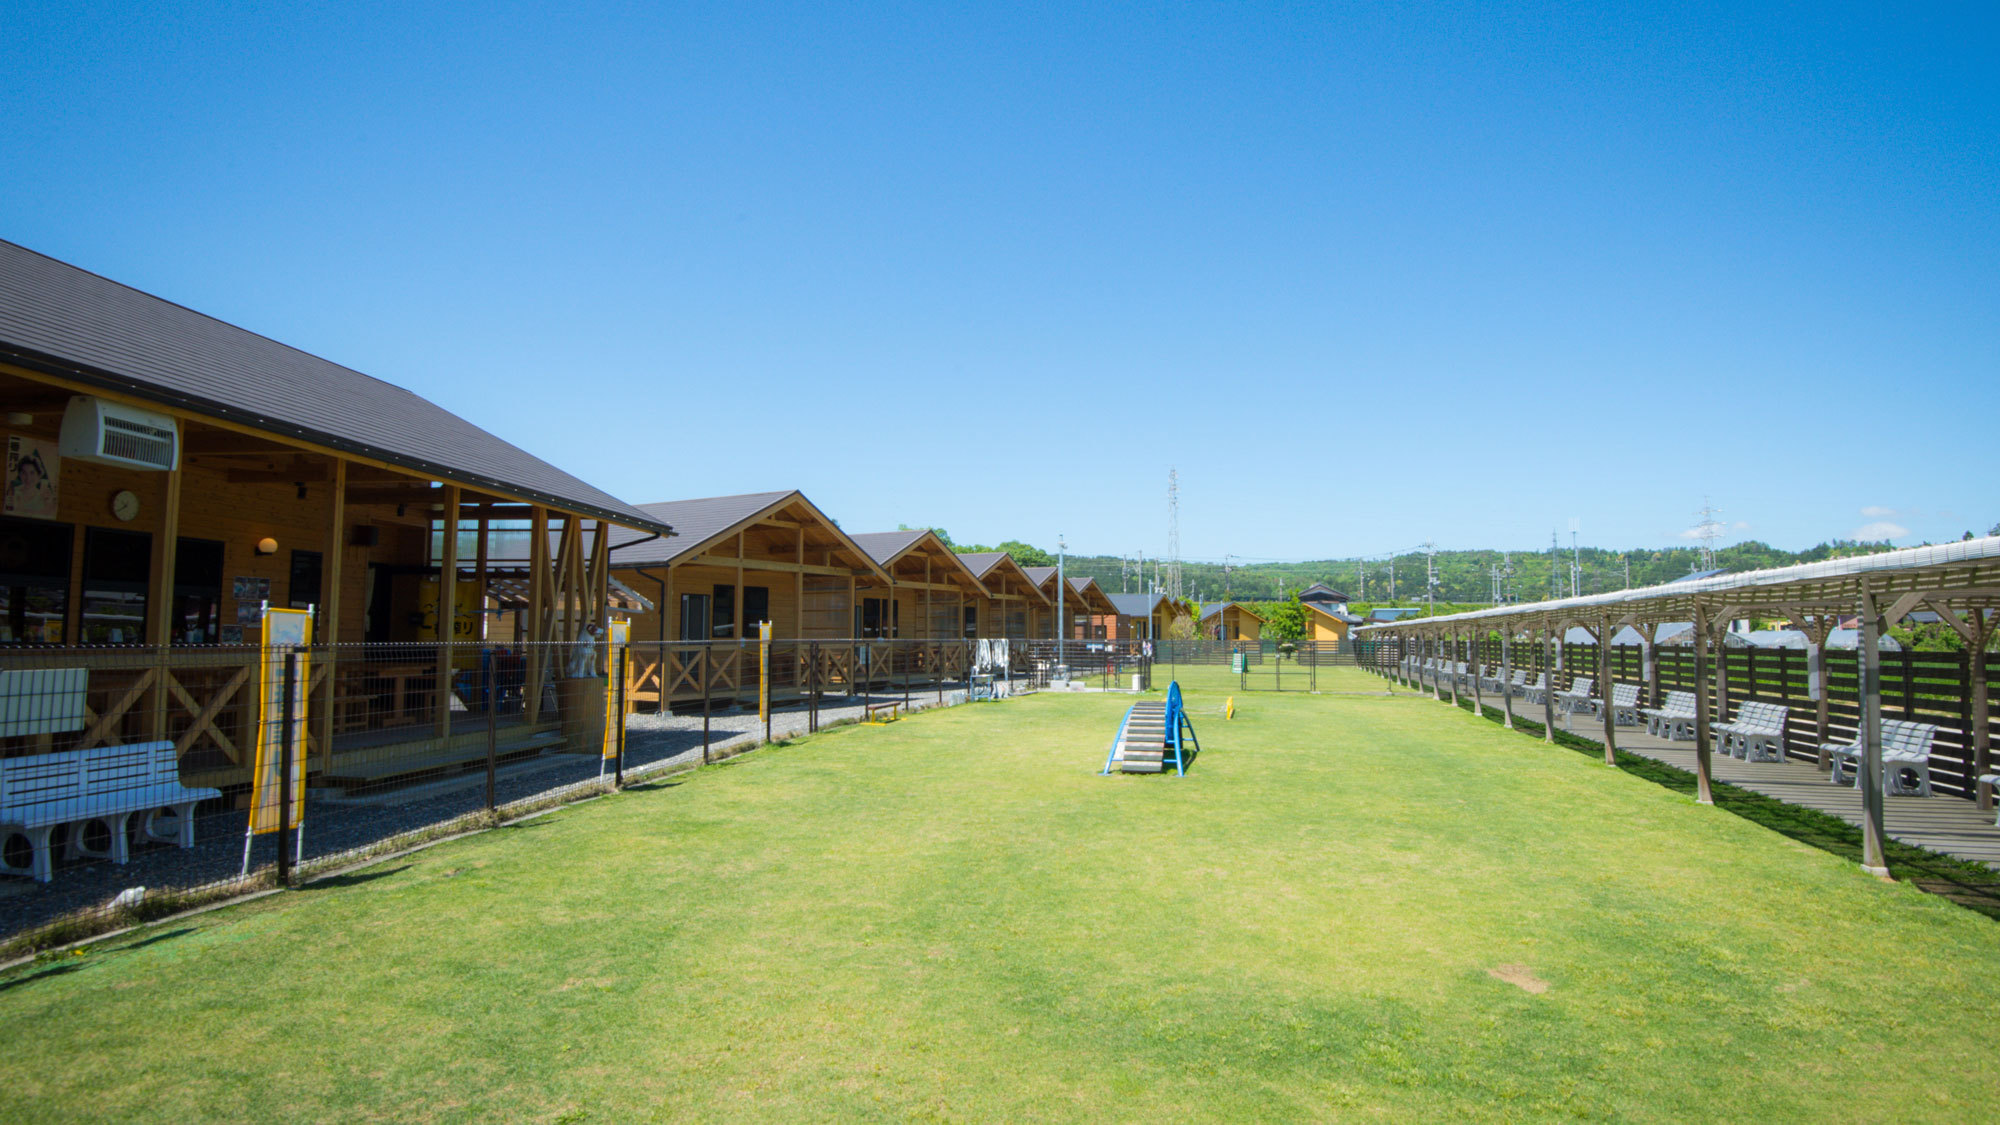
[(885, 547), (699, 524), (61, 320)]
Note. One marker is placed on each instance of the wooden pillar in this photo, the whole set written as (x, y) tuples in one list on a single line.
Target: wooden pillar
[(1549, 641), (799, 588), (160, 598), (1978, 717), (536, 641), (1604, 693), (1478, 670), (329, 609), (479, 565), (1703, 722), (447, 609), (1873, 853), (1507, 676)]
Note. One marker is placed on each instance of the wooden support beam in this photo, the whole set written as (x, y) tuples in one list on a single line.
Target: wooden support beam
[(329, 608), (160, 607), (538, 577), (1704, 723), (447, 613), (1874, 855), (1604, 692)]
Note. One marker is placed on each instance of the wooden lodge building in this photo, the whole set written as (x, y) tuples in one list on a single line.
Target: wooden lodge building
[(1014, 605), (1230, 621), (1142, 617), (1081, 605), (1327, 619), (169, 474)]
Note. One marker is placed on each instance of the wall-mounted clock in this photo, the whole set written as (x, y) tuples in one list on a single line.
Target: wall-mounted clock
[(125, 504)]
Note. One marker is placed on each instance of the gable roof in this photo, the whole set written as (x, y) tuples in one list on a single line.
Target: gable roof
[(1323, 592), (68, 322), (1216, 608), (983, 564), (1092, 593), (885, 547), (1136, 605), (698, 524), (1319, 608)]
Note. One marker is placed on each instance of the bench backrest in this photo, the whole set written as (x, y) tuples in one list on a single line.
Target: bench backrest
[(1680, 701), (42, 700), (1762, 715), (1581, 685), (1624, 695), (1541, 679), (46, 779), (1520, 676), (1904, 739)]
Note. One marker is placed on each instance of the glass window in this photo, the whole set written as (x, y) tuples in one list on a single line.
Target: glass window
[(304, 588), (756, 607), (115, 566), (197, 610), (694, 617), (725, 611), (972, 621), (34, 581)]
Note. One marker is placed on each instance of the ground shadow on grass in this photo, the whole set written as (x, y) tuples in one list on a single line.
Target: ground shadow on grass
[(1974, 886), (353, 878)]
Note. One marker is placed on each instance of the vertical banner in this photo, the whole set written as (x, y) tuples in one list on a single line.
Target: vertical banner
[(621, 632), (764, 671), (285, 631)]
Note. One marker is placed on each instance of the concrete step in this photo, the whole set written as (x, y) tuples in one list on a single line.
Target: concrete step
[(1141, 767), (1140, 754)]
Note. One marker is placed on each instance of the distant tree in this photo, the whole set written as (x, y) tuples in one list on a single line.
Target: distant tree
[(1284, 620), (1026, 555), (1184, 627)]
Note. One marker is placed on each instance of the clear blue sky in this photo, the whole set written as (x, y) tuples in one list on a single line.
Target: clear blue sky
[(1366, 276)]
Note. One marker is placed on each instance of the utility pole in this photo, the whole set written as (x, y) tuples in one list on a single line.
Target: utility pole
[(1575, 560), (1430, 577), (1062, 599), (1361, 580), (1174, 534), (1555, 575), (1392, 576)]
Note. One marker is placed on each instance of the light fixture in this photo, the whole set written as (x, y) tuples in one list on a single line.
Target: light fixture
[(267, 546)]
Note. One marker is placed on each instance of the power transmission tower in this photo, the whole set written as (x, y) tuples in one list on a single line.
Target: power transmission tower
[(1361, 580), (1708, 531), (1555, 575), (1174, 534)]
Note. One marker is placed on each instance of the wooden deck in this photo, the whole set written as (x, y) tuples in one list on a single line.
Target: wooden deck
[(1951, 825)]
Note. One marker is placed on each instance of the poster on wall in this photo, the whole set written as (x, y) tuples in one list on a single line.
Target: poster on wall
[(249, 613), (247, 589), (32, 468)]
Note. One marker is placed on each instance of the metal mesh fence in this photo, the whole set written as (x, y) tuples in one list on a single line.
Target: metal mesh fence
[(136, 772)]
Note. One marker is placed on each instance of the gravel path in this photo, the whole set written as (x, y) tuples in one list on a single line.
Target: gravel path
[(337, 824)]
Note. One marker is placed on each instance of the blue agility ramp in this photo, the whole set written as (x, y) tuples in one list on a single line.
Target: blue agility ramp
[(1153, 736)]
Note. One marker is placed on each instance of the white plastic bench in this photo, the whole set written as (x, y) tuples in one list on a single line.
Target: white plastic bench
[(1905, 746), (1625, 705), (1673, 721), (1516, 685), (1577, 698), (42, 700), (1756, 735), (1538, 691), (107, 784)]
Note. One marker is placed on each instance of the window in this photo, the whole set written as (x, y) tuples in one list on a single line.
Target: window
[(303, 591), (725, 612), (694, 617), (197, 608), (756, 607), (971, 621), (115, 568), (877, 617), (34, 581)]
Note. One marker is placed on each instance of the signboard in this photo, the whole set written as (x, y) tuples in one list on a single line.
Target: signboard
[(285, 631), (32, 471)]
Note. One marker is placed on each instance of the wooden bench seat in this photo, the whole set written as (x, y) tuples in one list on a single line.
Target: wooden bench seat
[(107, 784)]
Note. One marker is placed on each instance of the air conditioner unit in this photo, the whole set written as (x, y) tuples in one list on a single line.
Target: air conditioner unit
[(111, 433)]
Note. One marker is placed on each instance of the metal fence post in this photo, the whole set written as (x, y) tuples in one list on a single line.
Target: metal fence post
[(618, 768), (492, 726)]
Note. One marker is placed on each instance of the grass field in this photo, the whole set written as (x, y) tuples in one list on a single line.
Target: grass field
[(1352, 908)]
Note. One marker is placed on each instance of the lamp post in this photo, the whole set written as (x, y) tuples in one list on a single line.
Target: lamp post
[(1062, 598)]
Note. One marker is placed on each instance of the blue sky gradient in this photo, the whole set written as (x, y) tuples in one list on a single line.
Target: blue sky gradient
[(1365, 275)]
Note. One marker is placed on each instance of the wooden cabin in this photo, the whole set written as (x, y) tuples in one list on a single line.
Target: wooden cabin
[(926, 592), (733, 563), (1096, 607), (1142, 617), (1013, 602), (1230, 621), (170, 474), (1080, 604), (1328, 622)]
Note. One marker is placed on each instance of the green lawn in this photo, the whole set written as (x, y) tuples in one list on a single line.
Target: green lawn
[(953, 918)]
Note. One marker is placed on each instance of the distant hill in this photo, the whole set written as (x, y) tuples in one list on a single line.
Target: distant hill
[(1462, 576)]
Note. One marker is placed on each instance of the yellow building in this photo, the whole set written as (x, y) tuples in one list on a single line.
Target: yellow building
[(1231, 621)]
